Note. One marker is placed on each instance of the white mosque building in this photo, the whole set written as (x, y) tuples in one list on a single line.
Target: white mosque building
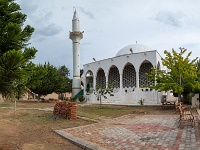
[(126, 72)]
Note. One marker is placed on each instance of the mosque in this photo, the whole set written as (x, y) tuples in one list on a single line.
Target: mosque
[(125, 71)]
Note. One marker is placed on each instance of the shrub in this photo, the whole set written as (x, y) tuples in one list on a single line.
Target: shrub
[(72, 99), (81, 98)]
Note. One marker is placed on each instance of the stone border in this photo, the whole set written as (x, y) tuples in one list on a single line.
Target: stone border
[(86, 145), (87, 119)]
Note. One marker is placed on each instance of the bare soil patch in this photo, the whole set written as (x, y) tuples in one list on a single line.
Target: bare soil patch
[(33, 130)]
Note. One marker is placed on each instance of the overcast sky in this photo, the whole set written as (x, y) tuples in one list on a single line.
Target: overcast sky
[(110, 25)]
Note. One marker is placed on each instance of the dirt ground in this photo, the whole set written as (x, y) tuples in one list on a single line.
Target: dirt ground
[(33, 130)]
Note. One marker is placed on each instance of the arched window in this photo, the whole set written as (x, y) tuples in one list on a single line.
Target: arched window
[(101, 79), (129, 76), (145, 68), (89, 81), (114, 77)]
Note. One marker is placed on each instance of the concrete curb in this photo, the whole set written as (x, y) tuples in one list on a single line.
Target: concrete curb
[(86, 145), (87, 119)]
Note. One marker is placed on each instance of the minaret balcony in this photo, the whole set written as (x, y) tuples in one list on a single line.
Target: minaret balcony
[(75, 34)]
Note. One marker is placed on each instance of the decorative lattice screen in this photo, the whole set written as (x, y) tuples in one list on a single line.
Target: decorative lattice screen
[(114, 77), (101, 79), (129, 76), (143, 79)]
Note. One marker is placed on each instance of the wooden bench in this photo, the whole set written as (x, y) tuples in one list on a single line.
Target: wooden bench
[(177, 104), (186, 117)]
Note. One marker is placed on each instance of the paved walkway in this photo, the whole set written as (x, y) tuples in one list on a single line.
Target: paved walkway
[(143, 132)]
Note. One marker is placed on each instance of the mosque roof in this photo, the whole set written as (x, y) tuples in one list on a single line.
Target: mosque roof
[(133, 48)]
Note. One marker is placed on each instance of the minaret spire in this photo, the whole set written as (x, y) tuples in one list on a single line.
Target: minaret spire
[(75, 22), (76, 37), (75, 15)]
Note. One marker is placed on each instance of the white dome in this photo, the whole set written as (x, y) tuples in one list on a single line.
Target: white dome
[(135, 48)]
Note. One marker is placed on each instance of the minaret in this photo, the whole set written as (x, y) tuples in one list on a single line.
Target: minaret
[(76, 37)]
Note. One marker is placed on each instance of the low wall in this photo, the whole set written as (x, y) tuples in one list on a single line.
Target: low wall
[(195, 101), (150, 97)]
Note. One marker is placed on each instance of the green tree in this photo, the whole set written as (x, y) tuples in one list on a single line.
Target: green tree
[(46, 79), (180, 76), (198, 64), (45, 82), (65, 84), (64, 71), (197, 90), (36, 76), (12, 33), (15, 57), (13, 72)]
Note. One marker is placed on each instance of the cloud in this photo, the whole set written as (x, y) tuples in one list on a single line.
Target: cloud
[(36, 39), (87, 13), (86, 43), (49, 30), (171, 18), (42, 17), (27, 7)]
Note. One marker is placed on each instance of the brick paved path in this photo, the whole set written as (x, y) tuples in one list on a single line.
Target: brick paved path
[(144, 132)]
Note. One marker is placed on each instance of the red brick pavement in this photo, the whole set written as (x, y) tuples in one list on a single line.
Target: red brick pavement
[(145, 132)]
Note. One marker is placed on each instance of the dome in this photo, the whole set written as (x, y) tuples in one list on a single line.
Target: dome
[(134, 48)]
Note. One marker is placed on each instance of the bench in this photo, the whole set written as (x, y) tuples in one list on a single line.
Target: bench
[(177, 104), (186, 117)]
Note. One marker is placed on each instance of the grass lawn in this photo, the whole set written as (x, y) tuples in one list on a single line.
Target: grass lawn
[(111, 111), (97, 111), (25, 104)]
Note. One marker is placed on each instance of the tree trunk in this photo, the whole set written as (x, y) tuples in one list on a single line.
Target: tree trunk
[(15, 105), (100, 100), (185, 98)]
